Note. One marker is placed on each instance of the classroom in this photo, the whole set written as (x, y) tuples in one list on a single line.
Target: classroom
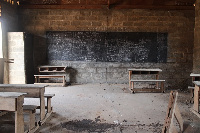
[(104, 66)]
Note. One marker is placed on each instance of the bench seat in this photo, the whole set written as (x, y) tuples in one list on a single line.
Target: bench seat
[(49, 107), (143, 80), (38, 77), (49, 76), (31, 111)]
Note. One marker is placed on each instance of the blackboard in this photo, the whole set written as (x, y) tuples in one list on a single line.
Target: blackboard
[(94, 46)]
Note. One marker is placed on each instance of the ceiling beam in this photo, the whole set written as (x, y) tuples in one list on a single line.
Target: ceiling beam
[(106, 7)]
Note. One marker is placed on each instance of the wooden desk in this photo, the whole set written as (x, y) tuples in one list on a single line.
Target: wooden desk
[(47, 72), (145, 72), (13, 101), (195, 77), (33, 91)]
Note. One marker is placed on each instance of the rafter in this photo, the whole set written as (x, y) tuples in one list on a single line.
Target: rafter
[(115, 4)]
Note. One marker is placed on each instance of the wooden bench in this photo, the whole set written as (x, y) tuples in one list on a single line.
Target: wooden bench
[(31, 110), (38, 77), (150, 75), (174, 112), (13, 102), (47, 72), (49, 107), (155, 89), (32, 91), (195, 77)]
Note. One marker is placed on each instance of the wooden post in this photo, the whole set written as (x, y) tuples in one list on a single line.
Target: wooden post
[(42, 104), (130, 73), (132, 85), (48, 105), (196, 99), (19, 118), (162, 86), (64, 81), (157, 77)]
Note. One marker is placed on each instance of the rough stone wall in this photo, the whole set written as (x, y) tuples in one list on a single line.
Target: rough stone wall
[(178, 24), (9, 24), (196, 62)]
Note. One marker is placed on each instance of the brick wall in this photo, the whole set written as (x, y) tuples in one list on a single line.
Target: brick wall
[(178, 24), (196, 63)]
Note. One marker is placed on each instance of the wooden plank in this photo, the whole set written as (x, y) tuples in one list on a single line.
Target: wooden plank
[(168, 126), (11, 94), (130, 73), (31, 92), (52, 66), (42, 105), (157, 77), (7, 104), (194, 75), (179, 117), (49, 108), (21, 86), (49, 95), (156, 70), (50, 76), (50, 83), (196, 83), (146, 90), (195, 112), (162, 87), (19, 118), (147, 80), (191, 87), (8, 100), (52, 69), (196, 99), (31, 109), (106, 7)]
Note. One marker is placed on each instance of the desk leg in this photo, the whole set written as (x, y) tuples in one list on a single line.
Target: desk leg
[(42, 106), (130, 73), (162, 87), (157, 77), (64, 82), (196, 99), (19, 118), (36, 81)]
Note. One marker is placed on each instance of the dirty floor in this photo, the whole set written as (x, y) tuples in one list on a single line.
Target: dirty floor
[(109, 108)]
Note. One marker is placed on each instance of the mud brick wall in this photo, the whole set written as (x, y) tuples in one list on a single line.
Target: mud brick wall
[(179, 24), (196, 62)]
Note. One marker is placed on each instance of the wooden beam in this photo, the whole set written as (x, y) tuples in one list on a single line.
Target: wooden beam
[(105, 6)]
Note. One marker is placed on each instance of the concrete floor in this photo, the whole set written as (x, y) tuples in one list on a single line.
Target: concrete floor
[(109, 108)]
